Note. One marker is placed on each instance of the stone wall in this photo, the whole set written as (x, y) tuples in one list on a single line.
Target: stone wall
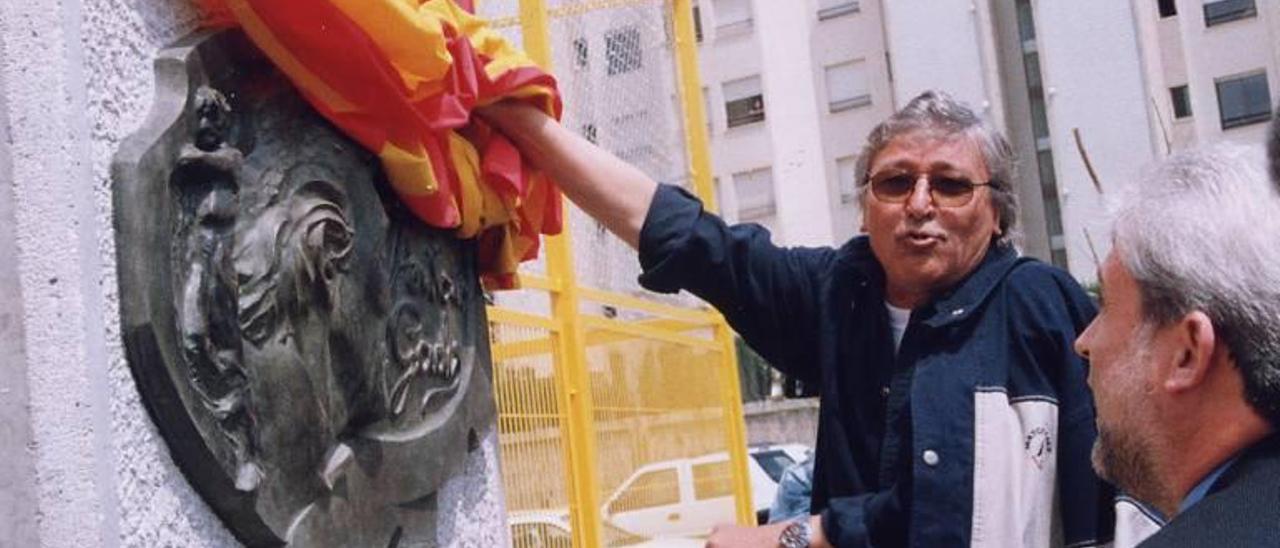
[(85, 466), (782, 421)]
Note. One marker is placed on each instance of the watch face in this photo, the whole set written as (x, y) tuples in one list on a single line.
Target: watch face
[(795, 535)]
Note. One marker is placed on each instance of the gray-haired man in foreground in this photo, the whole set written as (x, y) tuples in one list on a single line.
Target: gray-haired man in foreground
[(1185, 351)]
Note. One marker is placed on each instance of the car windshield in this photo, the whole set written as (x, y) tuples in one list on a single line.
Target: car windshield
[(774, 462)]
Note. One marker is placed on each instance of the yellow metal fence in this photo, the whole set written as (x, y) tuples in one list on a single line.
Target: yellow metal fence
[(619, 411)]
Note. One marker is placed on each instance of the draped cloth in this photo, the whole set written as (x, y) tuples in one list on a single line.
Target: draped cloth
[(402, 78)]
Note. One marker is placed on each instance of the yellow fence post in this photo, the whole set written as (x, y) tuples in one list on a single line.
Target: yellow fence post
[(697, 143), (697, 146), (572, 377)]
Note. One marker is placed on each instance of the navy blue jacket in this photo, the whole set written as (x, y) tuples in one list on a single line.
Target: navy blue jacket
[(1242, 508), (966, 437)]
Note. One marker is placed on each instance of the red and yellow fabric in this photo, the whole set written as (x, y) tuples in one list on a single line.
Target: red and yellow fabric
[(402, 78)]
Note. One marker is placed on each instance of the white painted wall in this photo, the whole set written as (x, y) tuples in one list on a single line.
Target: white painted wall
[(792, 116), (75, 79), (852, 36), (725, 57), (17, 476), (806, 181), (1096, 85), (937, 45)]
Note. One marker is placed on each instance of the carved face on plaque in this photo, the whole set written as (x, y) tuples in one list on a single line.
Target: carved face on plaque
[(314, 356)]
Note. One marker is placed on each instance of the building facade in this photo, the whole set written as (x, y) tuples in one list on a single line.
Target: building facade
[(1088, 92)]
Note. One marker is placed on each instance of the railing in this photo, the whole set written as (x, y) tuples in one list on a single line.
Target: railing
[(605, 393)]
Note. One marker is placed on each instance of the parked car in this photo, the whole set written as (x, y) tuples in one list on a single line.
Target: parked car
[(774, 459), (552, 530), (687, 497)]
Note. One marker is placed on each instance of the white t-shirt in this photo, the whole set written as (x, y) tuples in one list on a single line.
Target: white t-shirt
[(898, 318)]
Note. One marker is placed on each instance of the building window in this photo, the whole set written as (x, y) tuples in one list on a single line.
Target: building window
[(848, 179), (622, 49), (743, 101), (1040, 130), (1168, 8), (581, 55), (1059, 256), (732, 16), (1222, 11), (1026, 23), (828, 9), (755, 194), (712, 480), (1244, 100), (1052, 209), (1049, 193), (649, 490), (847, 86), (697, 23), (589, 133), (1181, 98), (642, 155)]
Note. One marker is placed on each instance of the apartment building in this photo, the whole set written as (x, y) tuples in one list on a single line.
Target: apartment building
[(1212, 67), (1088, 92), (774, 74)]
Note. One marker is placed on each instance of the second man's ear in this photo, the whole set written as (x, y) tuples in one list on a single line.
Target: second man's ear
[(1196, 342)]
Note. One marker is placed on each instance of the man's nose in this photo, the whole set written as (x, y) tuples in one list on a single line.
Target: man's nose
[(919, 202), (1081, 345)]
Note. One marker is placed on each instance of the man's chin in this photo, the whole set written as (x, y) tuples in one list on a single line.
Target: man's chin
[(1125, 465)]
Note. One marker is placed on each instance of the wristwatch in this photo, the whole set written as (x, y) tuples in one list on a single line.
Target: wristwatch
[(796, 534)]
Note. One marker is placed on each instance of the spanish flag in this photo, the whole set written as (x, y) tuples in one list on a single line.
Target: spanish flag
[(402, 77)]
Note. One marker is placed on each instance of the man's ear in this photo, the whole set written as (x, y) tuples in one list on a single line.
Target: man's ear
[(1195, 342)]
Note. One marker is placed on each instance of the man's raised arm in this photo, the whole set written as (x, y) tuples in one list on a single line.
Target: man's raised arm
[(610, 190)]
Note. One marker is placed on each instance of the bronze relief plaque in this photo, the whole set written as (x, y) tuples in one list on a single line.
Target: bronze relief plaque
[(315, 357)]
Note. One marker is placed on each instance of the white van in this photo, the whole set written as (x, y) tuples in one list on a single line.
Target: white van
[(688, 497)]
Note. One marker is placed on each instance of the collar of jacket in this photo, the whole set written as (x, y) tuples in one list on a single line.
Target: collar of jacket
[(1267, 448), (858, 263)]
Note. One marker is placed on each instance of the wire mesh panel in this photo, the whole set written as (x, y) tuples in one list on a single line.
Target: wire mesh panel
[(615, 63), (660, 430), (534, 472), (619, 410)]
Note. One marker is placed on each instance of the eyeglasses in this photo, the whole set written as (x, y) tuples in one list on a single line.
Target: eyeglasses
[(896, 187)]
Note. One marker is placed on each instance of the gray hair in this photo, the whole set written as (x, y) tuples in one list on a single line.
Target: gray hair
[(1199, 232), (938, 113)]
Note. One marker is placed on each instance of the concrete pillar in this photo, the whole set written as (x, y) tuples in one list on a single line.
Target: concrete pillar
[(83, 465), (17, 476)]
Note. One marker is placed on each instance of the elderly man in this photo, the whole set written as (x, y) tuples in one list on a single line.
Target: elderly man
[(953, 409), (1186, 350)]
